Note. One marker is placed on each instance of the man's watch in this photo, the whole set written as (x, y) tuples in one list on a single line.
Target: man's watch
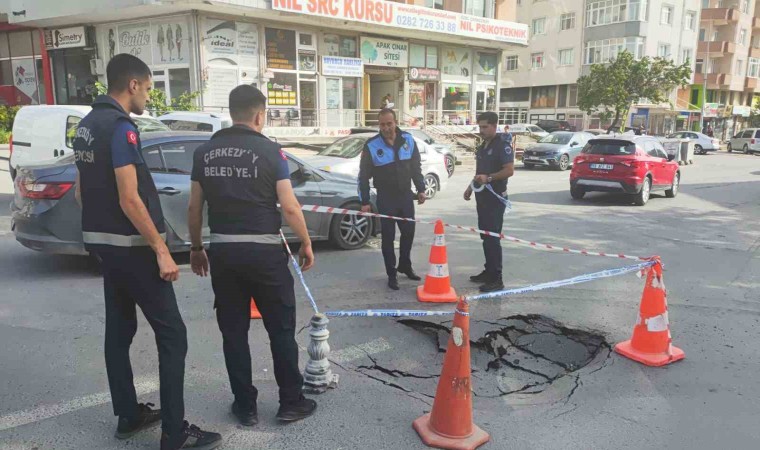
[(489, 179), (197, 249)]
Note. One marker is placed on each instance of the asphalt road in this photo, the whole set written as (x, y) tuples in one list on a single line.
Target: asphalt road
[(578, 394)]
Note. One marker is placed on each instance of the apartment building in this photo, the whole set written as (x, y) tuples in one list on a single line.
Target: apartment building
[(326, 63), (728, 63), (568, 36)]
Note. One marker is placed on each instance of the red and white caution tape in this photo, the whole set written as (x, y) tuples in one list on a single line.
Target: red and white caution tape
[(532, 244)]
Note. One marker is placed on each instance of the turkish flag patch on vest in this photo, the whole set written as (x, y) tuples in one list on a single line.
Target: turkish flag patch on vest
[(132, 137)]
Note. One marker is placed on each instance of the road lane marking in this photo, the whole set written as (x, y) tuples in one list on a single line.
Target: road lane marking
[(20, 418), (355, 352)]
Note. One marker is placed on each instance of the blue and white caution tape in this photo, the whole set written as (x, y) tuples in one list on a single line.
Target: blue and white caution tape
[(387, 313), (491, 295), (532, 244), (559, 283), (298, 270), (501, 198)]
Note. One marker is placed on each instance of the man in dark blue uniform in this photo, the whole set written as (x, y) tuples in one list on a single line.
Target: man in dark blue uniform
[(495, 163), (392, 160), (243, 175), (122, 223)]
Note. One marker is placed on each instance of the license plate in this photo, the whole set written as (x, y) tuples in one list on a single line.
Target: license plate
[(602, 166)]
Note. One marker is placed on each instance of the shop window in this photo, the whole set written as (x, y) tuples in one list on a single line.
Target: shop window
[(305, 40), (280, 49), (456, 102), (179, 82), (335, 45), (544, 97), (572, 95), (515, 94), (5, 51), (417, 55), (562, 96), (21, 43), (432, 58), (281, 90)]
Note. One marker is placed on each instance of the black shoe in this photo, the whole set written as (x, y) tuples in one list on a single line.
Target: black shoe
[(410, 274), (393, 283), (146, 419), (482, 277), (247, 416), (191, 437), (493, 285), (291, 412)]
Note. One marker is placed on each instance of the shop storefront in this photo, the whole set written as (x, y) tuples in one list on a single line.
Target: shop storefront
[(424, 78), (22, 73), (456, 80), (165, 44), (71, 50), (485, 81), (341, 74), (385, 61)]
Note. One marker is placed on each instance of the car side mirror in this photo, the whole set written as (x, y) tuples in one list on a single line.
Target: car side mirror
[(671, 157), (306, 174), (573, 144)]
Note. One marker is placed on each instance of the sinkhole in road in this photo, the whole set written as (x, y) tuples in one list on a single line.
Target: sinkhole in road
[(521, 354)]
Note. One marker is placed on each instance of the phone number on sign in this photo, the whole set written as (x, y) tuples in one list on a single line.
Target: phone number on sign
[(426, 24)]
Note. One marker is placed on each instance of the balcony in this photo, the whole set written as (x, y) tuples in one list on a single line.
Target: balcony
[(720, 16), (714, 80), (754, 52), (750, 84), (720, 47)]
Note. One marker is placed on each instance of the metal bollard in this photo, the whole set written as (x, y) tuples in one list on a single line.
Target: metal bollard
[(318, 376)]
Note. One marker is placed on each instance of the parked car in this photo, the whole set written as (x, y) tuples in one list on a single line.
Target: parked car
[(702, 142), (196, 121), (344, 155), (445, 149), (47, 218), (44, 133), (556, 150), (554, 125), (596, 131), (635, 165), (526, 128), (747, 140)]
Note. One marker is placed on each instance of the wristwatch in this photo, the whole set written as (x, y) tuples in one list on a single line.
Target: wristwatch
[(197, 249), (490, 178)]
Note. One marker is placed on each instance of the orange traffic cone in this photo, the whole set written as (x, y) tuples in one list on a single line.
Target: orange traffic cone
[(255, 314), (437, 287), (449, 424), (651, 343)]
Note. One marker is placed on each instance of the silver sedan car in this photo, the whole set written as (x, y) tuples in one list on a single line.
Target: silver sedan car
[(47, 218), (557, 150), (702, 142)]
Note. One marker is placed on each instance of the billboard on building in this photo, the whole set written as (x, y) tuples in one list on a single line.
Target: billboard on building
[(384, 52)]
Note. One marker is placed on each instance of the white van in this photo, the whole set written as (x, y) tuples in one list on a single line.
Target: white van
[(196, 120), (44, 133)]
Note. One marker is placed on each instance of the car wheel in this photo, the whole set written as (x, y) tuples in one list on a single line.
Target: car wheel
[(673, 191), (728, 148), (350, 231), (577, 192), (746, 149), (431, 185), (642, 197), (528, 166), (698, 150), (564, 162), (450, 164)]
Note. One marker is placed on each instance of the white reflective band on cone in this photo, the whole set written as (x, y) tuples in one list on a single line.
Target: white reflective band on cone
[(439, 240), (241, 238), (657, 323), (439, 270), (117, 240)]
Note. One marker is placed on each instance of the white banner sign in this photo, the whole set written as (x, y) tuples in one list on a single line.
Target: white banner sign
[(342, 67), (384, 52), (65, 38), (410, 17)]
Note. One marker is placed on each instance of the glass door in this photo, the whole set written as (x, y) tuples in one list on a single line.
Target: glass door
[(308, 97), (350, 100), (333, 102)]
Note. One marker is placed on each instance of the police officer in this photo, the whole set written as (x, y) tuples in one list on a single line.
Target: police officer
[(495, 163), (392, 160), (243, 175), (122, 223)]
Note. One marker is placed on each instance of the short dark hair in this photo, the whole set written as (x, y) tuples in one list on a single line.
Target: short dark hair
[(387, 111), (489, 116), (245, 101), (124, 68)]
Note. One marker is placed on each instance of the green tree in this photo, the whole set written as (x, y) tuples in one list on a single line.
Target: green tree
[(610, 90), (157, 103)]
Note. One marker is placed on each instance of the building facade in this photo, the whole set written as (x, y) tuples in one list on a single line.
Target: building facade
[(328, 63), (728, 64), (567, 37)]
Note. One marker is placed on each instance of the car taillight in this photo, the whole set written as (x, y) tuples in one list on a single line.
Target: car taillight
[(43, 191), (752, 141), (630, 163), (580, 160)]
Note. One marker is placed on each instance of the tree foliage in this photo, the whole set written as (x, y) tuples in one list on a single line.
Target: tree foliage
[(157, 103), (610, 90)]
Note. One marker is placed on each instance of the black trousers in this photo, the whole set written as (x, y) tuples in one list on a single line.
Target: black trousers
[(491, 218), (399, 205), (131, 277), (242, 271)]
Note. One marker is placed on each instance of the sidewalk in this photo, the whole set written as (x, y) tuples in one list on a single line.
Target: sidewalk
[(5, 151)]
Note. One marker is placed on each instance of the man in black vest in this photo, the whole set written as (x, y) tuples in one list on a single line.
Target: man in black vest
[(243, 175), (123, 224), (392, 160), (494, 164)]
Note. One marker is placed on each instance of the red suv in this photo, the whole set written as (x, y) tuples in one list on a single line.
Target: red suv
[(635, 165)]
